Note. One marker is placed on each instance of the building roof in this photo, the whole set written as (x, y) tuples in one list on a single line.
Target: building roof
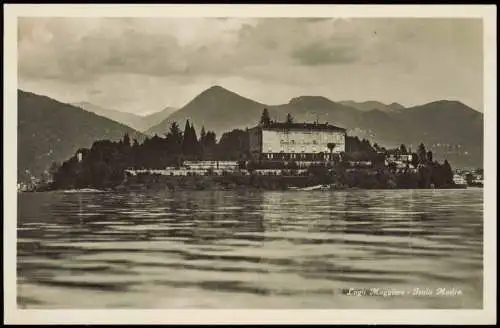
[(301, 126)]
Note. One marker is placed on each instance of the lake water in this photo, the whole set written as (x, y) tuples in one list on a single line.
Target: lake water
[(228, 249)]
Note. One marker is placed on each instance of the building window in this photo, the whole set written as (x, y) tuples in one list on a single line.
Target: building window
[(293, 142), (315, 142)]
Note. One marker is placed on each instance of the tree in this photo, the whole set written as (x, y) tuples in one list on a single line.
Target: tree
[(429, 156), (210, 139), (207, 144), (233, 145), (174, 130), (414, 159), (447, 172), (289, 118), (190, 141), (403, 149), (126, 140), (174, 139), (422, 154), (366, 146), (195, 145), (331, 146), (265, 119), (203, 134), (186, 139)]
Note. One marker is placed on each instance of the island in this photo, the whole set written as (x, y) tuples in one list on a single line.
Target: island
[(270, 156)]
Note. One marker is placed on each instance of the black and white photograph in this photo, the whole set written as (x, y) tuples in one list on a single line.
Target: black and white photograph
[(251, 160)]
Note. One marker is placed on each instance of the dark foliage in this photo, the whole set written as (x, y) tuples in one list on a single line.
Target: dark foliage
[(104, 164)]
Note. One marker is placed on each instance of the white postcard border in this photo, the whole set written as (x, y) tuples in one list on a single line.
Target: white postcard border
[(13, 315)]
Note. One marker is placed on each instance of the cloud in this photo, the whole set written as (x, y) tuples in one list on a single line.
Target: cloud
[(80, 49), (319, 54), (119, 56)]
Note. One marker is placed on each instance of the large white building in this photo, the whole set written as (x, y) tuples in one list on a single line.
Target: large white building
[(296, 141)]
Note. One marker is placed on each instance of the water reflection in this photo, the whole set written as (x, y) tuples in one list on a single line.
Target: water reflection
[(256, 249)]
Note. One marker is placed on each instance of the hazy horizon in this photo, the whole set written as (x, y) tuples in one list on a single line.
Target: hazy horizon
[(142, 65)]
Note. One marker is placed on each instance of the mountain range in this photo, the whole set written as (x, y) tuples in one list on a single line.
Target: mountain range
[(450, 129), (137, 122), (50, 131), (366, 106)]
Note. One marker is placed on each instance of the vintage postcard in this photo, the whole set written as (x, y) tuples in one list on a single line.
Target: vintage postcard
[(250, 164)]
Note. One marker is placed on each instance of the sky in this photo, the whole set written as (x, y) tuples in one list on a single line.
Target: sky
[(142, 65)]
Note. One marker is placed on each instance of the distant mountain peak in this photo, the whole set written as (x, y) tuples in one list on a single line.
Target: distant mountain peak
[(309, 99), (370, 105), (374, 102), (217, 109), (217, 89), (217, 93), (396, 106), (448, 102), (454, 105)]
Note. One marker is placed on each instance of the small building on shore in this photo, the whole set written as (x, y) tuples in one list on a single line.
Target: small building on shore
[(296, 141), (459, 180), (399, 160)]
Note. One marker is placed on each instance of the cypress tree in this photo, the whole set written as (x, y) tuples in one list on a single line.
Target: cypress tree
[(195, 145), (203, 134), (185, 138), (190, 141), (265, 118)]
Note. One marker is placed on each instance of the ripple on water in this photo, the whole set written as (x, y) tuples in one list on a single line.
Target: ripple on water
[(248, 249)]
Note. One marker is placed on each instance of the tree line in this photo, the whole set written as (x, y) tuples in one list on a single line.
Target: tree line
[(104, 163)]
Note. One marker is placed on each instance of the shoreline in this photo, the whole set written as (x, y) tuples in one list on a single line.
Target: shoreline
[(234, 182), (114, 190)]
